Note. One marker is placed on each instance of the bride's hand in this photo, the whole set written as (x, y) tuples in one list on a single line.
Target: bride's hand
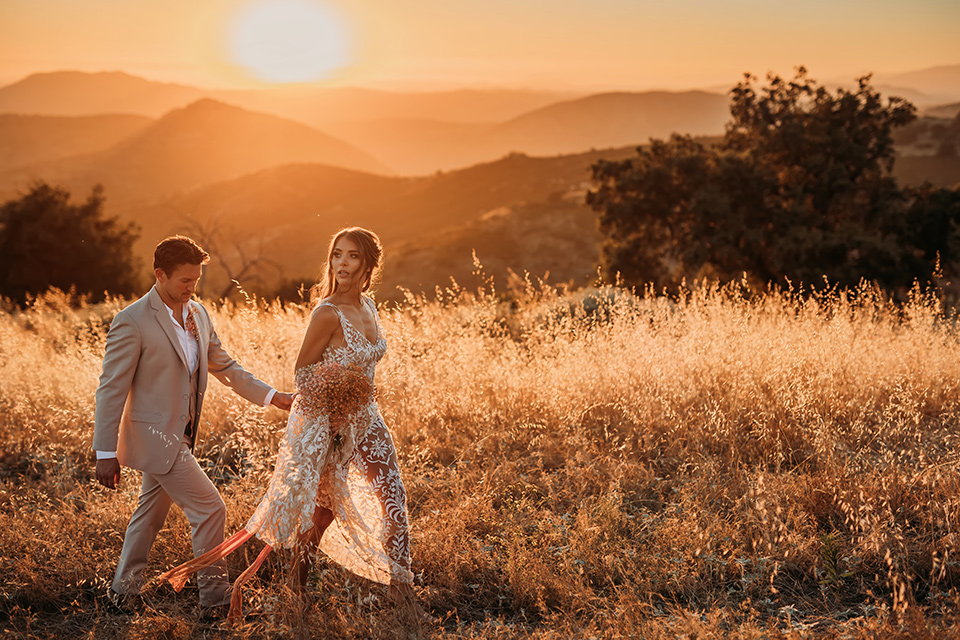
[(336, 423)]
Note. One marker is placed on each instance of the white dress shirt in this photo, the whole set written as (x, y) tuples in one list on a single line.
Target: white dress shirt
[(191, 349)]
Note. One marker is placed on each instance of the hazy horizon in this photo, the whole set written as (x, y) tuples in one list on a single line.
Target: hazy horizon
[(429, 45), (426, 88)]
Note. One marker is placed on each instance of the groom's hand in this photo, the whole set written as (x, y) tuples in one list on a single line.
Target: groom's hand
[(108, 472), (282, 400)]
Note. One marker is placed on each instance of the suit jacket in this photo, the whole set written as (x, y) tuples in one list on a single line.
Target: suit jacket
[(143, 400)]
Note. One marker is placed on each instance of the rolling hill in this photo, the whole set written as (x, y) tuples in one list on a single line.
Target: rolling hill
[(203, 143), (274, 202), (521, 212), (555, 241), (943, 111), (77, 93), (614, 119), (417, 147), (939, 84), (253, 184), (321, 107), (421, 133), (305, 204), (30, 139)]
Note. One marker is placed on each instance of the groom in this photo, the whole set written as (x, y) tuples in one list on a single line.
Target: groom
[(158, 352)]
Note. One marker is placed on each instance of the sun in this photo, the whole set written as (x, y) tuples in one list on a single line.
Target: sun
[(289, 40)]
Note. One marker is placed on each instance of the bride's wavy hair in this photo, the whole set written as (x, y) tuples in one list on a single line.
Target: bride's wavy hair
[(371, 251)]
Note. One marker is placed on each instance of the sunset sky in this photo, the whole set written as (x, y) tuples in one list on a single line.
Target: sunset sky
[(430, 44)]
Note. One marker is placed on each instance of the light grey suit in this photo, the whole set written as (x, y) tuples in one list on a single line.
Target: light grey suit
[(143, 405)]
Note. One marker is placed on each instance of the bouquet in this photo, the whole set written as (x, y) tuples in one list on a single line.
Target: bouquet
[(335, 390)]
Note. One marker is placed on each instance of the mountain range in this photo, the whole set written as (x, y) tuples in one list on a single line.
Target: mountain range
[(78, 93), (419, 133), (192, 146), (410, 134), (270, 175), (935, 85)]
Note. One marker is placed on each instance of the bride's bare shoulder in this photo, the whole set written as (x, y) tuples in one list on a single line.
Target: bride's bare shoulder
[(324, 316), (324, 327)]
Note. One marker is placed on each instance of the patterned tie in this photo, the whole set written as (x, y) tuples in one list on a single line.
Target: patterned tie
[(191, 324)]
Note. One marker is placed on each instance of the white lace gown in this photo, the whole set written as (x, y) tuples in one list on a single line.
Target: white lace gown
[(357, 479)]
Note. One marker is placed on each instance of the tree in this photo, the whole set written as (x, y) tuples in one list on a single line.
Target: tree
[(243, 265), (45, 241), (932, 221), (799, 187)]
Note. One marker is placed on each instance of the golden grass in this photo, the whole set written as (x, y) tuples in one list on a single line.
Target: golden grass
[(720, 463)]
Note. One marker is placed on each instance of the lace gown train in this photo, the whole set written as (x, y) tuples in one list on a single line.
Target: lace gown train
[(355, 476)]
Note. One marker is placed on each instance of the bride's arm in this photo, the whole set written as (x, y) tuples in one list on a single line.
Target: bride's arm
[(323, 327)]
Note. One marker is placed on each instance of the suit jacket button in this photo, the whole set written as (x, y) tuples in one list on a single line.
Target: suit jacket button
[(186, 397), (183, 418)]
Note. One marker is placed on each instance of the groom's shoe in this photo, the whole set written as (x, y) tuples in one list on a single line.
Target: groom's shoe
[(127, 604), (213, 614)]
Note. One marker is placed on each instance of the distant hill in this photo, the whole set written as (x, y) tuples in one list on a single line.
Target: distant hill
[(81, 93), (595, 122), (323, 106), (923, 87), (522, 212), (416, 146), (556, 241), (287, 214), (77, 93), (255, 184), (615, 119), (28, 139), (940, 84), (203, 143), (280, 206), (421, 133), (928, 136), (943, 111), (918, 99)]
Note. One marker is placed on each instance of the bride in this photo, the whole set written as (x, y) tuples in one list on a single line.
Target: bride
[(336, 485)]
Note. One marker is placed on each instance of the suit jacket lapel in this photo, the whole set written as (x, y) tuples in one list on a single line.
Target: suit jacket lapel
[(163, 317)]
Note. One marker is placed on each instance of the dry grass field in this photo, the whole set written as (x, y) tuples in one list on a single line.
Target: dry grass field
[(718, 463)]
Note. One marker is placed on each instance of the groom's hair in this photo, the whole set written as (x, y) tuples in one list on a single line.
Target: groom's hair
[(177, 250)]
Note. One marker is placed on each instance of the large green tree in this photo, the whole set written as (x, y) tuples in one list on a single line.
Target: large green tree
[(47, 241), (799, 187)]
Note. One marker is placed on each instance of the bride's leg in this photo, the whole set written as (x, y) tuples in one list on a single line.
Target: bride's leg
[(379, 463), (307, 547)]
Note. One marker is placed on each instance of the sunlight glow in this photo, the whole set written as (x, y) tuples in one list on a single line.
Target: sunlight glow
[(289, 40)]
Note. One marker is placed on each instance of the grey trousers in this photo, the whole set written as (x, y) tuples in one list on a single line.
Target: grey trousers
[(190, 488)]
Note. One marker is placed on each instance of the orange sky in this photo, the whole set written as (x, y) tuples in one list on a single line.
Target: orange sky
[(418, 44)]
